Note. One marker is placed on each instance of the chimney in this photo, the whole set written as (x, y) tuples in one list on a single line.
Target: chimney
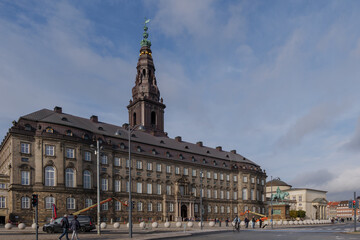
[(200, 143), (178, 139), (219, 148), (94, 119), (233, 151), (58, 109)]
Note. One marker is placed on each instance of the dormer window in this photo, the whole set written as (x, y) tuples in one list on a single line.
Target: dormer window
[(214, 162), (204, 161), (208, 152), (181, 156), (86, 137), (227, 156), (168, 154), (69, 133), (28, 127), (64, 119), (193, 159), (224, 165), (101, 128), (49, 130), (162, 142), (186, 147), (138, 149), (122, 145), (154, 152)]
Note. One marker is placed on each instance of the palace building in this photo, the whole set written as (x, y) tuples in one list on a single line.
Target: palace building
[(49, 153)]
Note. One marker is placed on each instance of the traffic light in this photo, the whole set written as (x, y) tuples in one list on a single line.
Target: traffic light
[(34, 200), (354, 203)]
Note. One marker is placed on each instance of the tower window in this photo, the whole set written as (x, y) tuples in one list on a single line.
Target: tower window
[(134, 119), (153, 118)]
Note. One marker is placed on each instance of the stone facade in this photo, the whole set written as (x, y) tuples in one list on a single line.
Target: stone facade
[(49, 153)]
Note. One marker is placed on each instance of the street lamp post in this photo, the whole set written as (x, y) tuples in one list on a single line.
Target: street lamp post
[(97, 152), (201, 193), (272, 226), (130, 205)]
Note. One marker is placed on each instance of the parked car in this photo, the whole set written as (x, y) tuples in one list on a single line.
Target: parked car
[(86, 224)]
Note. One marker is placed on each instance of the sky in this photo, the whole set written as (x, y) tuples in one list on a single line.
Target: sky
[(276, 80)]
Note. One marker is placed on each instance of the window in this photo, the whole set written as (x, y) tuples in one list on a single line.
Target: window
[(25, 148), (252, 180), (87, 179), (138, 164), (254, 209), (177, 170), (228, 209), (257, 195), (25, 202), (263, 197), (221, 194), (49, 130), (117, 185), (257, 180), (227, 195), (25, 159), (215, 193), (105, 206), (209, 193), (202, 192), (149, 207), (215, 176), (104, 159), (49, 176), (49, 201), (262, 182), (244, 194), (139, 187), (139, 206), (117, 206), (168, 189), (69, 177), (87, 156), (2, 186), (2, 202), (149, 188), (104, 184), (171, 207), (159, 207), (235, 178), (246, 208), (88, 202), (127, 163), (245, 179), (25, 178), (168, 169), (196, 208), (49, 150), (235, 209), (209, 209), (227, 177), (208, 175), (70, 153), (194, 173), (252, 197), (222, 209), (158, 189), (221, 176), (127, 186), (117, 161), (149, 166), (235, 195), (186, 171), (158, 167), (193, 190)]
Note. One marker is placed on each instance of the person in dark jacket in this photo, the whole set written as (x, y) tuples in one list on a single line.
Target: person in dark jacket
[(65, 227), (246, 222), (75, 226)]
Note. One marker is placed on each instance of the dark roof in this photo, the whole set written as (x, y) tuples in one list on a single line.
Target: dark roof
[(49, 116), (276, 182)]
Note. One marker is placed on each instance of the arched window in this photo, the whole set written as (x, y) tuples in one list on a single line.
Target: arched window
[(25, 202), (49, 176), (87, 179), (49, 201), (153, 118), (134, 119), (69, 177)]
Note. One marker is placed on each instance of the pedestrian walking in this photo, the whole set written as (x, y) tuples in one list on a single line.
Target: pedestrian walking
[(246, 222), (260, 222), (253, 222), (227, 222), (65, 227), (75, 226)]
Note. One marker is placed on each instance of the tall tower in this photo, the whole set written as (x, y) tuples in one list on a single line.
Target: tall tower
[(146, 107)]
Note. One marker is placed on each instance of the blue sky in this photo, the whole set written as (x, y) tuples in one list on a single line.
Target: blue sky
[(276, 80)]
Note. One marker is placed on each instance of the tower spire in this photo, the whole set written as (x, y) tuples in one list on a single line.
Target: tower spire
[(146, 107)]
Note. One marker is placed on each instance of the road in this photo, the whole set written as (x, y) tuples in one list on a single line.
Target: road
[(327, 232)]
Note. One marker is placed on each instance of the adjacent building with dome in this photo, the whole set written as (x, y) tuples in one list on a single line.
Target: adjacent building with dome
[(48, 152), (312, 201)]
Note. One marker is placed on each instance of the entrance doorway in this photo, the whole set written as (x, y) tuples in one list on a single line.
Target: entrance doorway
[(2, 220), (183, 211)]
